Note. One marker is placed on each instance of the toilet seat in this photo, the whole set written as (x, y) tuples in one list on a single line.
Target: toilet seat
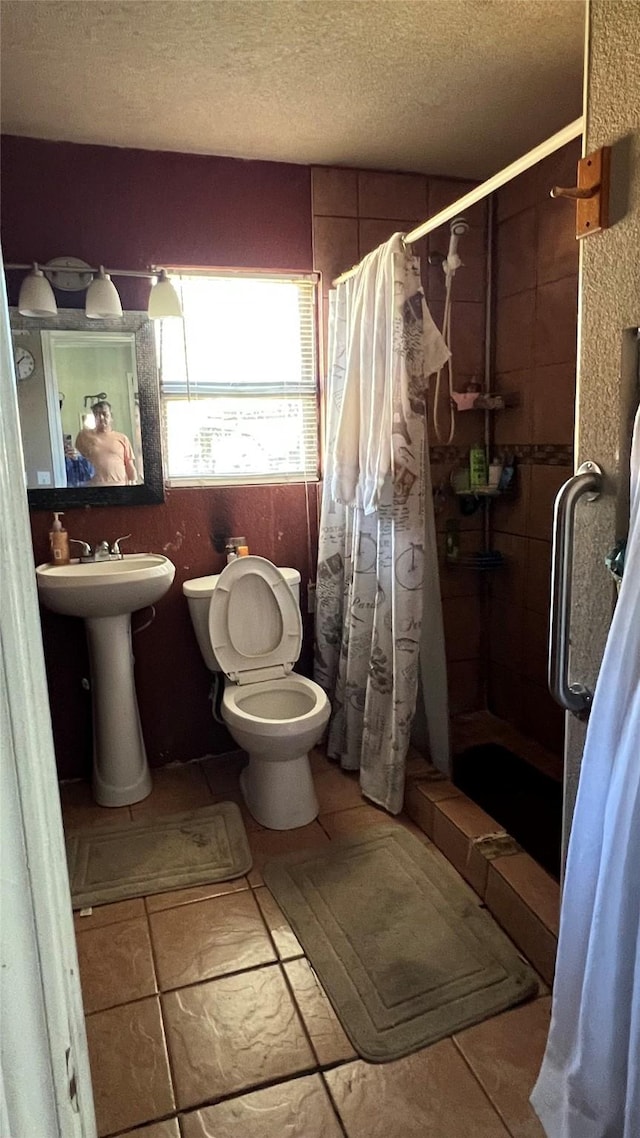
[(255, 627), (281, 708)]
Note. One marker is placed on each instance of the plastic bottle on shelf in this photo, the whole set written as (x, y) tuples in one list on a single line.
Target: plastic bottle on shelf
[(478, 472)]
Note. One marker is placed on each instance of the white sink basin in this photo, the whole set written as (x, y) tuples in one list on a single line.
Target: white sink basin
[(105, 588)]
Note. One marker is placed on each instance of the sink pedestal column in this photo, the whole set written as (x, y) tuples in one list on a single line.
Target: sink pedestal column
[(120, 769)]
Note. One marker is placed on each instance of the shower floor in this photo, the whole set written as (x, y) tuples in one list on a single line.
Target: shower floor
[(527, 802)]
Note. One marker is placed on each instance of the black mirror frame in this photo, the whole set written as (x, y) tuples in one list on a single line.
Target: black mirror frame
[(152, 491)]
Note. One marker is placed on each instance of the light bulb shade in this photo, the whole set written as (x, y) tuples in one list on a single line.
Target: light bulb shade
[(36, 295), (163, 299), (102, 301)]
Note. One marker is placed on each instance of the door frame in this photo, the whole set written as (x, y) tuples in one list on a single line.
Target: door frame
[(45, 1081)]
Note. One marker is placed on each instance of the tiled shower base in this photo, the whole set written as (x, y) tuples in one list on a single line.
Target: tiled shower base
[(205, 1020)]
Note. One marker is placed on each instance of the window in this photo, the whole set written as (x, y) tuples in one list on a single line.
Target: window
[(238, 379)]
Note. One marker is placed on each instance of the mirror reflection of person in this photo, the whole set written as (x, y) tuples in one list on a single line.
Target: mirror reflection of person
[(109, 451)]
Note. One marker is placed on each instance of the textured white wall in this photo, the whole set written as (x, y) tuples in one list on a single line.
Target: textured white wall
[(609, 304)]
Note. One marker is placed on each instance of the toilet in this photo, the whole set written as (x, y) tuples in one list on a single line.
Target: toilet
[(248, 625)]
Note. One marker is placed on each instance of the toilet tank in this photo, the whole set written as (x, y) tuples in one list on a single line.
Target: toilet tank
[(198, 593)]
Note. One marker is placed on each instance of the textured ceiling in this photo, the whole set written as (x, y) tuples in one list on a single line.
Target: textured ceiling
[(459, 87)]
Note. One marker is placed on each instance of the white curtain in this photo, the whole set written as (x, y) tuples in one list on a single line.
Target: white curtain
[(589, 1085), (377, 553)]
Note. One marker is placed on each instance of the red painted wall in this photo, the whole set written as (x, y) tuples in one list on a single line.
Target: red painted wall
[(130, 209)]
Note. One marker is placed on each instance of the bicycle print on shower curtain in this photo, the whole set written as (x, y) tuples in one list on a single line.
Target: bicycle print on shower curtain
[(383, 345)]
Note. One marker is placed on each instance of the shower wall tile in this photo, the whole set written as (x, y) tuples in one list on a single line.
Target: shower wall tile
[(535, 634), (373, 232), (558, 252), (470, 282), (556, 324), (538, 577), (392, 195), (517, 195), (462, 627), (513, 425), (540, 717), (511, 511), (505, 693), (516, 254), (335, 246), (465, 688), (553, 404), (467, 340), (445, 191), (334, 191), (545, 483), (515, 319)]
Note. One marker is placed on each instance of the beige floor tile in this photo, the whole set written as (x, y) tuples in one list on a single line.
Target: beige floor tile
[(250, 822), (337, 789), (116, 965), (129, 1066), (231, 1034), (222, 772), (167, 1129), (174, 789), (431, 1094), (273, 843), (505, 1054), (352, 821), (299, 1108), (327, 1036), (80, 811), (344, 823), (530, 881), (95, 918), (160, 901), (209, 938), (284, 938)]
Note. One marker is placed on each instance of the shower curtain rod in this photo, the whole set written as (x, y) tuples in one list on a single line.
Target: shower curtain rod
[(556, 142)]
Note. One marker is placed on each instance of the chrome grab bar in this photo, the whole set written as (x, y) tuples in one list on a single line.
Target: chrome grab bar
[(575, 698)]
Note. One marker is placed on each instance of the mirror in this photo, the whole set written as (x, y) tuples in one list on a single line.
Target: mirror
[(67, 366)]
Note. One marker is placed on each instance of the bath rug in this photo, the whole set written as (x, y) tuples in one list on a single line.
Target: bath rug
[(402, 946), (194, 848)]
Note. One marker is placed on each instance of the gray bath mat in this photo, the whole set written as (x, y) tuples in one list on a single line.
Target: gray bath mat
[(402, 946), (196, 848)]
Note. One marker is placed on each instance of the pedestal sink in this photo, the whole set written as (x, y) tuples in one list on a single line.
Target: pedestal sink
[(104, 594)]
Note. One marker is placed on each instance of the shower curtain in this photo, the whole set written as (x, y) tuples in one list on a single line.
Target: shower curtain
[(589, 1085), (377, 553)]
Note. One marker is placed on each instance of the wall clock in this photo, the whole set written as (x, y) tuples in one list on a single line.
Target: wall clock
[(25, 362)]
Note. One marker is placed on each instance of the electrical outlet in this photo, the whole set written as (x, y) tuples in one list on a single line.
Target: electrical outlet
[(44, 478), (311, 597)]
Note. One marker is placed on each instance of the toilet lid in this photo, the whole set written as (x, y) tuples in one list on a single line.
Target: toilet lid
[(255, 625)]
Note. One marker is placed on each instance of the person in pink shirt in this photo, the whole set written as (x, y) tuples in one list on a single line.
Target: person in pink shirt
[(109, 451)]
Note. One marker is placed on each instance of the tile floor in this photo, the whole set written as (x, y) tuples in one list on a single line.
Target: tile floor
[(205, 1020)]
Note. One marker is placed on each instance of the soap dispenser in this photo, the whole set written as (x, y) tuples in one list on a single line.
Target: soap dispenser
[(59, 542)]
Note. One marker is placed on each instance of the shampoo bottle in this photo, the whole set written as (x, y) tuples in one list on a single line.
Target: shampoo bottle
[(59, 541), (477, 467)]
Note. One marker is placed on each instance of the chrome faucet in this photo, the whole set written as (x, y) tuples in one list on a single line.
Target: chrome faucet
[(102, 551)]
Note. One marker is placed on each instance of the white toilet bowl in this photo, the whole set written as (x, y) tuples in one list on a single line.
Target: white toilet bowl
[(277, 722), (252, 631)]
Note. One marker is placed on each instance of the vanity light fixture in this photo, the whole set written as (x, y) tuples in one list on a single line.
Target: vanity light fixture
[(69, 274), (36, 295), (102, 300)]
